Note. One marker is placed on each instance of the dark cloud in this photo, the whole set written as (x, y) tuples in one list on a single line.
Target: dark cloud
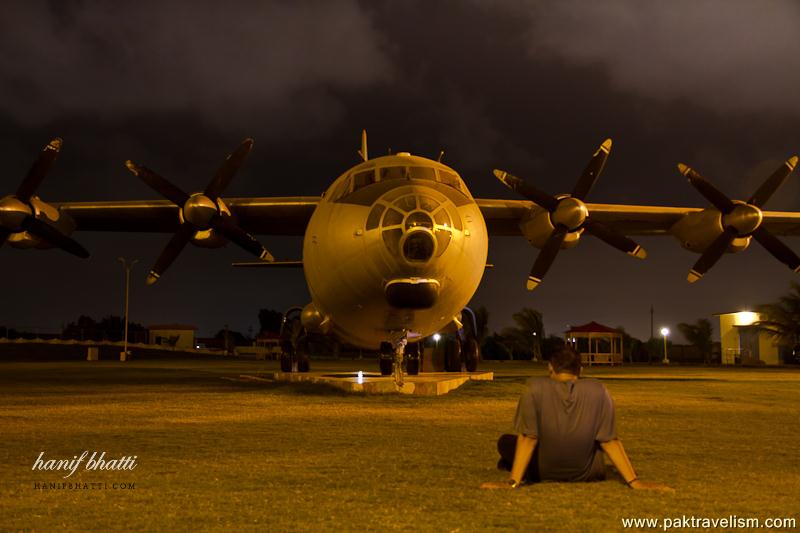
[(225, 63), (728, 55)]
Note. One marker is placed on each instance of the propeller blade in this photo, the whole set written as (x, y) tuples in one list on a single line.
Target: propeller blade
[(614, 238), (592, 171), (226, 172), (39, 170), (4, 235), (171, 251), (51, 235), (777, 248), (528, 191), (711, 255), (546, 257), (161, 185), (709, 192), (226, 226), (768, 188)]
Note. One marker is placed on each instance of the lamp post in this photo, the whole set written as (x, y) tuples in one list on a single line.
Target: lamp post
[(127, 266), (665, 333)]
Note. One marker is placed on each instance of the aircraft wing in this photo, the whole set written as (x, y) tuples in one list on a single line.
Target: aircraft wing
[(265, 216), (503, 217)]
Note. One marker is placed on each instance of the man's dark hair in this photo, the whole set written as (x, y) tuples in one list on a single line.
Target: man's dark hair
[(566, 360)]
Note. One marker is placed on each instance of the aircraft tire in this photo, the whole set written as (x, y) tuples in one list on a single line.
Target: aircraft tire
[(385, 366), (452, 355), (413, 359), (286, 362), (303, 359)]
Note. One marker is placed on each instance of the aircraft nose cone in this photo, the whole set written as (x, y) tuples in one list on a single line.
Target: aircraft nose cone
[(412, 293)]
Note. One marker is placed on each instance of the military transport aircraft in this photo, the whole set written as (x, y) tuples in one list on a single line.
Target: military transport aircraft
[(396, 246)]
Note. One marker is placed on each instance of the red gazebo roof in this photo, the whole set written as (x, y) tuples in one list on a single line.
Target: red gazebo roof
[(593, 327)]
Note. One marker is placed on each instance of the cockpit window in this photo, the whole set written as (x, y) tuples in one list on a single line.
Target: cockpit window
[(421, 173), (393, 173), (448, 178), (363, 178), (342, 189), (367, 176)]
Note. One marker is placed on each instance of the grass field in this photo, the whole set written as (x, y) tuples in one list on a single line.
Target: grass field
[(216, 454)]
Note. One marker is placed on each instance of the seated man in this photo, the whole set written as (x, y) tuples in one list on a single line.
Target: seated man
[(563, 425)]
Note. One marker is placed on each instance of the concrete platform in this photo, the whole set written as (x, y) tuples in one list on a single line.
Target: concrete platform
[(424, 384)]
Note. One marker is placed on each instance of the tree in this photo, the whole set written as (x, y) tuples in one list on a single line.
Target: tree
[(699, 335), (526, 337), (782, 318), (493, 347), (630, 345), (482, 320)]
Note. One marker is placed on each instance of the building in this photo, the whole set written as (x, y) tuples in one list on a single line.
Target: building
[(597, 344), (743, 342), (174, 335)]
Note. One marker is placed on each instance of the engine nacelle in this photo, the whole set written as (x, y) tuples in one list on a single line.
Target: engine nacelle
[(46, 212), (314, 321), (696, 231), (536, 226)]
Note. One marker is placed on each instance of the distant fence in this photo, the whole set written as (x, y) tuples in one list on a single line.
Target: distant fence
[(20, 349)]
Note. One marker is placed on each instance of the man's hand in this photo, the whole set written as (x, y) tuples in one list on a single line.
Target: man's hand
[(497, 485), (649, 485)]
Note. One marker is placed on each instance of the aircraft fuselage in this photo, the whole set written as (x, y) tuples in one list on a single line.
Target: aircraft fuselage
[(397, 244)]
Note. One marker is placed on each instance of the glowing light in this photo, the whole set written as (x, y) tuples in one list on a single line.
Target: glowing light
[(664, 331), (360, 378), (745, 318), (436, 337)]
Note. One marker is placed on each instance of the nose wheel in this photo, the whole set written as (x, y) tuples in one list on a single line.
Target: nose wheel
[(391, 358)]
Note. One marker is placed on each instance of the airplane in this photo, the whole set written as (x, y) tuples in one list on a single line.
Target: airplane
[(397, 245)]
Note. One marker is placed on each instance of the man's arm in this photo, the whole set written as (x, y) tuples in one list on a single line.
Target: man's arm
[(616, 453), (522, 457)]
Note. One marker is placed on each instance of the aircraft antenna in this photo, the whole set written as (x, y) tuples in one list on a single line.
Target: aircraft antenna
[(363, 152), (441, 155)]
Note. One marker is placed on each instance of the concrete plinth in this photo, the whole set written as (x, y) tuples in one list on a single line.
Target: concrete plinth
[(425, 384)]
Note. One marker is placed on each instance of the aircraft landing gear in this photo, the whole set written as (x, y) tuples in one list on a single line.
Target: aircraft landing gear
[(386, 358), (452, 354), (295, 359), (413, 359), (391, 358)]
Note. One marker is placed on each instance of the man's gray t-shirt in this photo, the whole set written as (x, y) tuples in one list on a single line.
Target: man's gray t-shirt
[(568, 418)]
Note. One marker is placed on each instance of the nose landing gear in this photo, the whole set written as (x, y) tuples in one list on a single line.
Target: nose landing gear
[(391, 358)]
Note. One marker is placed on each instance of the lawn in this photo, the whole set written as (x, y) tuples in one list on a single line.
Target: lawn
[(214, 453)]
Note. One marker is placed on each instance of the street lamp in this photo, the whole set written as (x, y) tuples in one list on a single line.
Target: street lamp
[(665, 333), (127, 266), (436, 338)]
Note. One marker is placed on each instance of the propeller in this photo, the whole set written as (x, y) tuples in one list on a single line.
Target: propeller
[(17, 214), (568, 214), (201, 211), (741, 219)]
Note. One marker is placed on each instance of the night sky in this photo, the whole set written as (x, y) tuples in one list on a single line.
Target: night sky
[(530, 87)]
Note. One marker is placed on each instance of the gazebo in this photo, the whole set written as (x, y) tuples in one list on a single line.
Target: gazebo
[(597, 344)]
